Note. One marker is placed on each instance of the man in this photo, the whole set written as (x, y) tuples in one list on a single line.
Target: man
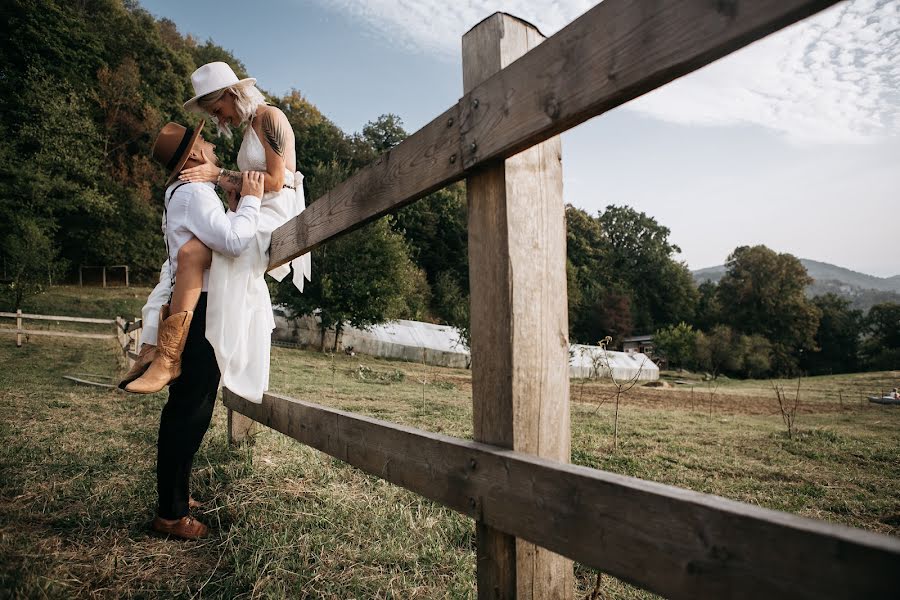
[(193, 210)]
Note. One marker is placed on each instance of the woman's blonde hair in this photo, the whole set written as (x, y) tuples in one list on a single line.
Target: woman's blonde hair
[(247, 98)]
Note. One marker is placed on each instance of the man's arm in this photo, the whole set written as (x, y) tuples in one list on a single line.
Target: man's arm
[(150, 312), (228, 235)]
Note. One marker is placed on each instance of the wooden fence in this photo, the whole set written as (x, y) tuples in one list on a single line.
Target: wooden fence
[(533, 512), (127, 333)]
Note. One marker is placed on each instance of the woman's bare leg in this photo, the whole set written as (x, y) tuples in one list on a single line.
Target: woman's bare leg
[(193, 259)]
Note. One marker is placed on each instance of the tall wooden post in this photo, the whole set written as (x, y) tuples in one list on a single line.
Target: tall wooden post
[(104, 276), (18, 328), (519, 319)]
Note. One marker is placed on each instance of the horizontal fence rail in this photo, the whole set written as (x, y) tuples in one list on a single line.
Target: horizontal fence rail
[(70, 334), (127, 333), (615, 52), (674, 542), (55, 318)]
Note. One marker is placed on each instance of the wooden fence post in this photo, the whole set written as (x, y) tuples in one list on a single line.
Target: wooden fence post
[(240, 428), (519, 319), (18, 328)]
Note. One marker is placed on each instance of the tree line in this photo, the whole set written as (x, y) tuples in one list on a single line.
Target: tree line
[(85, 87)]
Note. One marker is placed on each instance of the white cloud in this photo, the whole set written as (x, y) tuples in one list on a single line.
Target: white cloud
[(833, 78)]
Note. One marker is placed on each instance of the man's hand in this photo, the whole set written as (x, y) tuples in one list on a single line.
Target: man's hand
[(252, 184)]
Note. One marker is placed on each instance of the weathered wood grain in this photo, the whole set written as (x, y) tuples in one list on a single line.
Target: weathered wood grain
[(674, 542), (519, 316), (240, 428), (613, 53)]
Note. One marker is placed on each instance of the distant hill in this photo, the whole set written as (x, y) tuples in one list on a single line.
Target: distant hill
[(864, 291)]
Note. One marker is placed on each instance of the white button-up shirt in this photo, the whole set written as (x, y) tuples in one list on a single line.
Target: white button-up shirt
[(194, 210)]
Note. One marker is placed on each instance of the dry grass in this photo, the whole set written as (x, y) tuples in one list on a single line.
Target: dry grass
[(77, 485)]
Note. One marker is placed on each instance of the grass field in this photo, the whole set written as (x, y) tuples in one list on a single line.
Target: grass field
[(77, 485)]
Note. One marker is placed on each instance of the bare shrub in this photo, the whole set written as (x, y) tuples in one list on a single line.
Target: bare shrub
[(622, 387), (788, 407)]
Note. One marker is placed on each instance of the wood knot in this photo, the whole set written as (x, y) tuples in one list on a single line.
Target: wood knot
[(727, 8), (552, 108)]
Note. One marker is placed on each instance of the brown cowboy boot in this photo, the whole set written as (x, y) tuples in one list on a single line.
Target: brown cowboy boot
[(141, 363), (186, 528), (166, 367), (147, 354)]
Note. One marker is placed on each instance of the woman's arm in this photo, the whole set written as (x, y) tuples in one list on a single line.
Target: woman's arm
[(276, 133)]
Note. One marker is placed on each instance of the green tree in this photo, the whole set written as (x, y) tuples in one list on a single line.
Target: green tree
[(384, 133), (718, 351), (639, 256), (881, 348), (31, 261), (837, 337), (753, 356), (708, 312), (677, 343), (762, 292), (586, 278)]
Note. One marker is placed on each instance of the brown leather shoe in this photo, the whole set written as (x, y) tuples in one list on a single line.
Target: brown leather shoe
[(166, 367), (186, 528), (141, 363)]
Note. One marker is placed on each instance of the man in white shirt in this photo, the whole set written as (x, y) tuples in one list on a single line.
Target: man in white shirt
[(192, 210)]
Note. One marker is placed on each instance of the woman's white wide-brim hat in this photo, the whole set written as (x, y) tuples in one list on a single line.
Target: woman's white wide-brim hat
[(210, 78)]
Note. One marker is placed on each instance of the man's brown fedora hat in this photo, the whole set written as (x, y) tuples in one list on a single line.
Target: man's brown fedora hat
[(173, 147)]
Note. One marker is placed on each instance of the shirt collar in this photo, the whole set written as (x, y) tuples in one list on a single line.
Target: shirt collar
[(175, 183)]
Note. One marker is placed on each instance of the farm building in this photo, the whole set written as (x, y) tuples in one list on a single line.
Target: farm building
[(638, 343)]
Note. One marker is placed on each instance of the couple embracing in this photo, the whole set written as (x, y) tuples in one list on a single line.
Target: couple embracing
[(209, 320)]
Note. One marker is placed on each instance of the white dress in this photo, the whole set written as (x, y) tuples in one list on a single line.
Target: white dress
[(239, 319)]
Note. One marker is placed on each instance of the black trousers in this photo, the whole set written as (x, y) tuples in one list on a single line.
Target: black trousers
[(185, 418)]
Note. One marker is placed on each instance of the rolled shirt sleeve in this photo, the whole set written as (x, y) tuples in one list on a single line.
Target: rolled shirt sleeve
[(228, 235)]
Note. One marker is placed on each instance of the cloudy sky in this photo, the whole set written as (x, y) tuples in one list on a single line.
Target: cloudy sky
[(793, 142)]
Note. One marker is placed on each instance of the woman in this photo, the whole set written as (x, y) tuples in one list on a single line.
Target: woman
[(238, 296)]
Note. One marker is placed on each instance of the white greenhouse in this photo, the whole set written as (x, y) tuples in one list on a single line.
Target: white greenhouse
[(592, 361), (440, 345)]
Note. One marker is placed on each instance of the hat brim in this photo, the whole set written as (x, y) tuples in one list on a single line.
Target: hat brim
[(192, 105), (186, 154)]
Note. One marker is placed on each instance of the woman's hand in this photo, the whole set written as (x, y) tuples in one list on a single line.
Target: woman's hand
[(252, 184), (205, 172)]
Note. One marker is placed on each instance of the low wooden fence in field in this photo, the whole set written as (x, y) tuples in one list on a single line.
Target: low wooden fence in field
[(126, 333), (533, 511)]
